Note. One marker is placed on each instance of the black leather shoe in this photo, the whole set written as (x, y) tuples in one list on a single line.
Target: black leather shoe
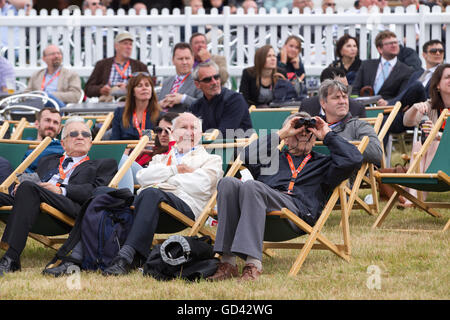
[(119, 267), (60, 270), (8, 265)]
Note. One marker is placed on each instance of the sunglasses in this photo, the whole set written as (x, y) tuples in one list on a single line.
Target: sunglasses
[(135, 74), (330, 4), (74, 134), (209, 79), (435, 50), (159, 130)]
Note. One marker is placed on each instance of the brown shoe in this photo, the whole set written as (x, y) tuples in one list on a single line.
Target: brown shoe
[(224, 271), (250, 272)]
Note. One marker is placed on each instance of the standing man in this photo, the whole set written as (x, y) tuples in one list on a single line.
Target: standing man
[(198, 44), (219, 108), (179, 92), (112, 74), (67, 181), (61, 84)]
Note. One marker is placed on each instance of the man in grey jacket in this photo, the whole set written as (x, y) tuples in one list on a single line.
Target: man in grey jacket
[(333, 97)]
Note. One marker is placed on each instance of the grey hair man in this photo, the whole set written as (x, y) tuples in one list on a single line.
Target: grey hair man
[(333, 96)]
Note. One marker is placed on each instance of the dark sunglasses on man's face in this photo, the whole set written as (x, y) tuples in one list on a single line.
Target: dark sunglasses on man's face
[(436, 50), (209, 79), (84, 134), (159, 130)]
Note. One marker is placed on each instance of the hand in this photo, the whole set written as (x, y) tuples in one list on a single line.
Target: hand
[(382, 103), (427, 126), (421, 108), (149, 147), (182, 168), (51, 187), (321, 129), (283, 55), (204, 55), (289, 129), (122, 85), (105, 90), (296, 62), (171, 99)]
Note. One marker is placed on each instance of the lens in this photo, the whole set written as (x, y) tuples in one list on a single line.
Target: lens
[(158, 130), (208, 79), (75, 134)]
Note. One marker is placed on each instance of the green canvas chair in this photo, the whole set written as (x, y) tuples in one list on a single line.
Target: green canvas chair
[(435, 179), (266, 119)]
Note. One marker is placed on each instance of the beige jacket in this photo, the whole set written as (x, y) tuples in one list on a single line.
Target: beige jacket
[(69, 85), (194, 188)]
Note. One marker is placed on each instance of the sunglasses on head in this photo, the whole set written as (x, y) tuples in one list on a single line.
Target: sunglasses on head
[(135, 74), (74, 134), (159, 130), (209, 79), (435, 50)]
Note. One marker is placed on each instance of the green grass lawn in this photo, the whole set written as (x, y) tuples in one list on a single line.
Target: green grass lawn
[(407, 265)]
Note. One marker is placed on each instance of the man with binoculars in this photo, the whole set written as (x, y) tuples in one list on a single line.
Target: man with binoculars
[(296, 178)]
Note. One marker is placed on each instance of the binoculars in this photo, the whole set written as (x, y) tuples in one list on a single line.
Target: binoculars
[(307, 122)]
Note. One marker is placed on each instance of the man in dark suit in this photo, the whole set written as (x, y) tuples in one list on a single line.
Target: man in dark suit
[(387, 76), (67, 181), (114, 72), (179, 91), (312, 105)]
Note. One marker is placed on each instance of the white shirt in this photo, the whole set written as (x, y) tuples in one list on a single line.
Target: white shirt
[(428, 76), (68, 171)]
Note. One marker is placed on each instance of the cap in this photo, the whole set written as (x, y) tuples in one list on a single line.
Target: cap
[(123, 36)]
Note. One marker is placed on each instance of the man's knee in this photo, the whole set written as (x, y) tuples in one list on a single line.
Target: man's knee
[(27, 186), (228, 183)]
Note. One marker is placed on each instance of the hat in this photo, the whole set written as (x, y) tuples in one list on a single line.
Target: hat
[(123, 36)]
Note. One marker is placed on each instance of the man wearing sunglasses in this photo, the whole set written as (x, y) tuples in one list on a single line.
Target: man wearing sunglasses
[(68, 180), (219, 108), (112, 74)]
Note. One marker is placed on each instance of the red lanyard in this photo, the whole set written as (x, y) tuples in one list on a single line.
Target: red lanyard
[(295, 172), (136, 123), (122, 72), (62, 174), (43, 85)]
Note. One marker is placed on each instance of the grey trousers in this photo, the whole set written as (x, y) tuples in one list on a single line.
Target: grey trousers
[(242, 208)]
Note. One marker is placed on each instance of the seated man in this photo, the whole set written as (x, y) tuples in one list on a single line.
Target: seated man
[(185, 178), (48, 124), (219, 108), (67, 181), (61, 84), (333, 97), (198, 44), (111, 75), (242, 206), (312, 105), (179, 92)]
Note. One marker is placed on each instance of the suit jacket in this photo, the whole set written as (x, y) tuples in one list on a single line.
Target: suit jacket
[(415, 77), (312, 106), (100, 75), (84, 178), (392, 86), (188, 88), (68, 88)]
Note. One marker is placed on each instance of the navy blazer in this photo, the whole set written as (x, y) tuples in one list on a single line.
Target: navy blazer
[(119, 132), (415, 77), (392, 86)]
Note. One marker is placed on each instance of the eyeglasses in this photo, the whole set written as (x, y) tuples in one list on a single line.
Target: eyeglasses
[(209, 79), (330, 4), (74, 134), (96, 4), (159, 130), (135, 74), (436, 50)]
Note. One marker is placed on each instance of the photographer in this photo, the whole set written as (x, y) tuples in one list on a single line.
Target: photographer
[(296, 178)]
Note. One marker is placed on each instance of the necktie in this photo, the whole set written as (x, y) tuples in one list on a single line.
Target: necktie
[(381, 77), (176, 84), (55, 170), (424, 75)]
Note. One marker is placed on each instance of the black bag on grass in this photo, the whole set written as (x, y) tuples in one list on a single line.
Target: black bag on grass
[(188, 258)]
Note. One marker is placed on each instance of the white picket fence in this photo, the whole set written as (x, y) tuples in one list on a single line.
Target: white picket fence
[(85, 39)]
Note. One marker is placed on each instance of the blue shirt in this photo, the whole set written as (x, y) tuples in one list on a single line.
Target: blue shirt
[(53, 147)]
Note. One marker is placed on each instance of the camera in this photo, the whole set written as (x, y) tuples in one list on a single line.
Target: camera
[(307, 122), (148, 133)]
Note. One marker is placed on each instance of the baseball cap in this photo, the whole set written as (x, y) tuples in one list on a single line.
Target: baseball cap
[(123, 36)]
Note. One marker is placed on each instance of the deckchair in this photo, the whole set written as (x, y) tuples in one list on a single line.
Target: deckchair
[(175, 220), (4, 128), (435, 179), (266, 119), (278, 231), (52, 222)]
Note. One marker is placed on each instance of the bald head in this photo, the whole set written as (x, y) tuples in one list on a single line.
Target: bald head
[(187, 131), (52, 56)]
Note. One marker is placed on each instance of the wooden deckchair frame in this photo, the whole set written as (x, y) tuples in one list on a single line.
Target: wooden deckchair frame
[(410, 174)]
